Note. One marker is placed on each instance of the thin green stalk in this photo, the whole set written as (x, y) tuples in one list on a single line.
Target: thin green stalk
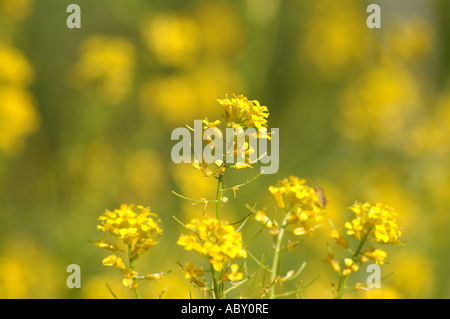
[(215, 286), (219, 194), (343, 280), (131, 260), (276, 257)]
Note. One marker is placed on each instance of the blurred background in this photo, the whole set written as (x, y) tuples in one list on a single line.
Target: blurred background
[(86, 116)]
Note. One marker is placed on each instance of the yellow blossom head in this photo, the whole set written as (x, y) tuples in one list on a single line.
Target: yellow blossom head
[(241, 112), (376, 221), (304, 203), (214, 239), (133, 225)]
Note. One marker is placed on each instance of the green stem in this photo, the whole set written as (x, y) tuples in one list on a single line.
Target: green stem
[(131, 261), (276, 257), (219, 195), (215, 286), (343, 280)]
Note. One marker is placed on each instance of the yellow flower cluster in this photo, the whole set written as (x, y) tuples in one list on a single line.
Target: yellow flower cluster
[(305, 204), (137, 230), (241, 112), (350, 266), (377, 221), (214, 239), (108, 63), (376, 255)]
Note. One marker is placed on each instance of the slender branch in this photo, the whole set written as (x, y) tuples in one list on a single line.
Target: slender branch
[(219, 195), (243, 184), (201, 201), (131, 261), (112, 292), (343, 280), (276, 257), (216, 288)]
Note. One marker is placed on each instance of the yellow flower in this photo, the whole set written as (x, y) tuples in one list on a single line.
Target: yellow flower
[(261, 217), (376, 255), (303, 201), (378, 219), (214, 239), (333, 263), (350, 266), (202, 167), (102, 244), (234, 275), (113, 260), (191, 273), (240, 112), (155, 276), (339, 239), (137, 230), (129, 278)]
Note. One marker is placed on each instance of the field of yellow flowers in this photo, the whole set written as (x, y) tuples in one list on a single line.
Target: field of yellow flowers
[(357, 206)]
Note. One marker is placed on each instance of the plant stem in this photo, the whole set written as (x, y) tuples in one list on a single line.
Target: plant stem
[(215, 286), (219, 194), (343, 280), (276, 257), (131, 260)]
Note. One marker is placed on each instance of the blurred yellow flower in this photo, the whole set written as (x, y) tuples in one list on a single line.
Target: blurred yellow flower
[(108, 63), (194, 92), (15, 9), (336, 39), (221, 28), (145, 174), (409, 39), (414, 273), (16, 70), (381, 105), (172, 38), (214, 239), (432, 133), (28, 271), (18, 118)]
